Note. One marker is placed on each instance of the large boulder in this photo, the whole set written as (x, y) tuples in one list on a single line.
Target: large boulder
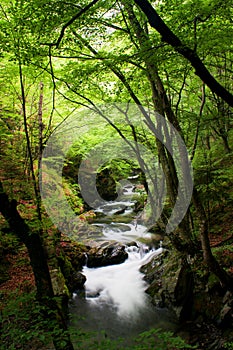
[(188, 289), (211, 301), (75, 252), (107, 253), (71, 257), (170, 283)]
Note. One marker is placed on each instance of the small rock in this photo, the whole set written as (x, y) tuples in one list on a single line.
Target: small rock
[(77, 281)]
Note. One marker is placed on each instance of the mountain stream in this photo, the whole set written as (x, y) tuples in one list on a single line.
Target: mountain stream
[(115, 301)]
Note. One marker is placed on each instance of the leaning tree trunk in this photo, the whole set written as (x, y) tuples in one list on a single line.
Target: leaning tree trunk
[(162, 105), (38, 260)]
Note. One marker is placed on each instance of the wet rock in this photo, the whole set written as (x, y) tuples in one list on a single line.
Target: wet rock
[(171, 283), (120, 211), (76, 253), (211, 301), (77, 281), (226, 313), (139, 206), (204, 335), (154, 268), (132, 244), (106, 254)]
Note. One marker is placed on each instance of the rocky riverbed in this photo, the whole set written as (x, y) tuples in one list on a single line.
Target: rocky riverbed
[(204, 312), (203, 307)]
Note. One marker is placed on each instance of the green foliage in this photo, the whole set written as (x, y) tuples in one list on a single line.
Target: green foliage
[(9, 243), (26, 325), (72, 193), (23, 324), (83, 340), (156, 338), (98, 53), (214, 178), (119, 168), (152, 339), (224, 254)]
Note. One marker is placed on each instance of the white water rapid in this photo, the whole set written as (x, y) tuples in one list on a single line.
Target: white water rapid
[(115, 300), (121, 286)]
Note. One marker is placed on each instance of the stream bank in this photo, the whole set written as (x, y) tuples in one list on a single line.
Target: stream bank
[(203, 307)]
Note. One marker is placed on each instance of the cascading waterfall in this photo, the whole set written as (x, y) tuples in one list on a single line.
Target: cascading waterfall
[(120, 285)]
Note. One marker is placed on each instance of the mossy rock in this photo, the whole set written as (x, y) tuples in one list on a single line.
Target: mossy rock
[(154, 268), (77, 281), (106, 185), (171, 282)]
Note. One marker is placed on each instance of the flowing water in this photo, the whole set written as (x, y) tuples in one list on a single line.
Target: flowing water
[(115, 300)]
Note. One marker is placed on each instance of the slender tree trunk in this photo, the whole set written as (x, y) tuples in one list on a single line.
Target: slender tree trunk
[(36, 190), (198, 123), (208, 257), (40, 124), (226, 143)]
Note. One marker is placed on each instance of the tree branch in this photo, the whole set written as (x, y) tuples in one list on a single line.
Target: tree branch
[(203, 98), (81, 12), (168, 36)]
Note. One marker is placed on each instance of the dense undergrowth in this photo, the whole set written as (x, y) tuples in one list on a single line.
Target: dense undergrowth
[(24, 327)]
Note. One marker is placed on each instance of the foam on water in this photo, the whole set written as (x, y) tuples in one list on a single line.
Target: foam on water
[(125, 232), (122, 285)]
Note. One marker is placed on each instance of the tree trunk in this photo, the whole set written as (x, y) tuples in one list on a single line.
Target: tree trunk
[(40, 125), (208, 257), (162, 106), (29, 150), (226, 143), (38, 260)]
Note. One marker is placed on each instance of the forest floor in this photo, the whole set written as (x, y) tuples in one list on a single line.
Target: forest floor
[(20, 273)]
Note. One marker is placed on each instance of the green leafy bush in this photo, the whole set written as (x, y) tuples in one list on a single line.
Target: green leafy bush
[(149, 340), (22, 323), (159, 340)]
